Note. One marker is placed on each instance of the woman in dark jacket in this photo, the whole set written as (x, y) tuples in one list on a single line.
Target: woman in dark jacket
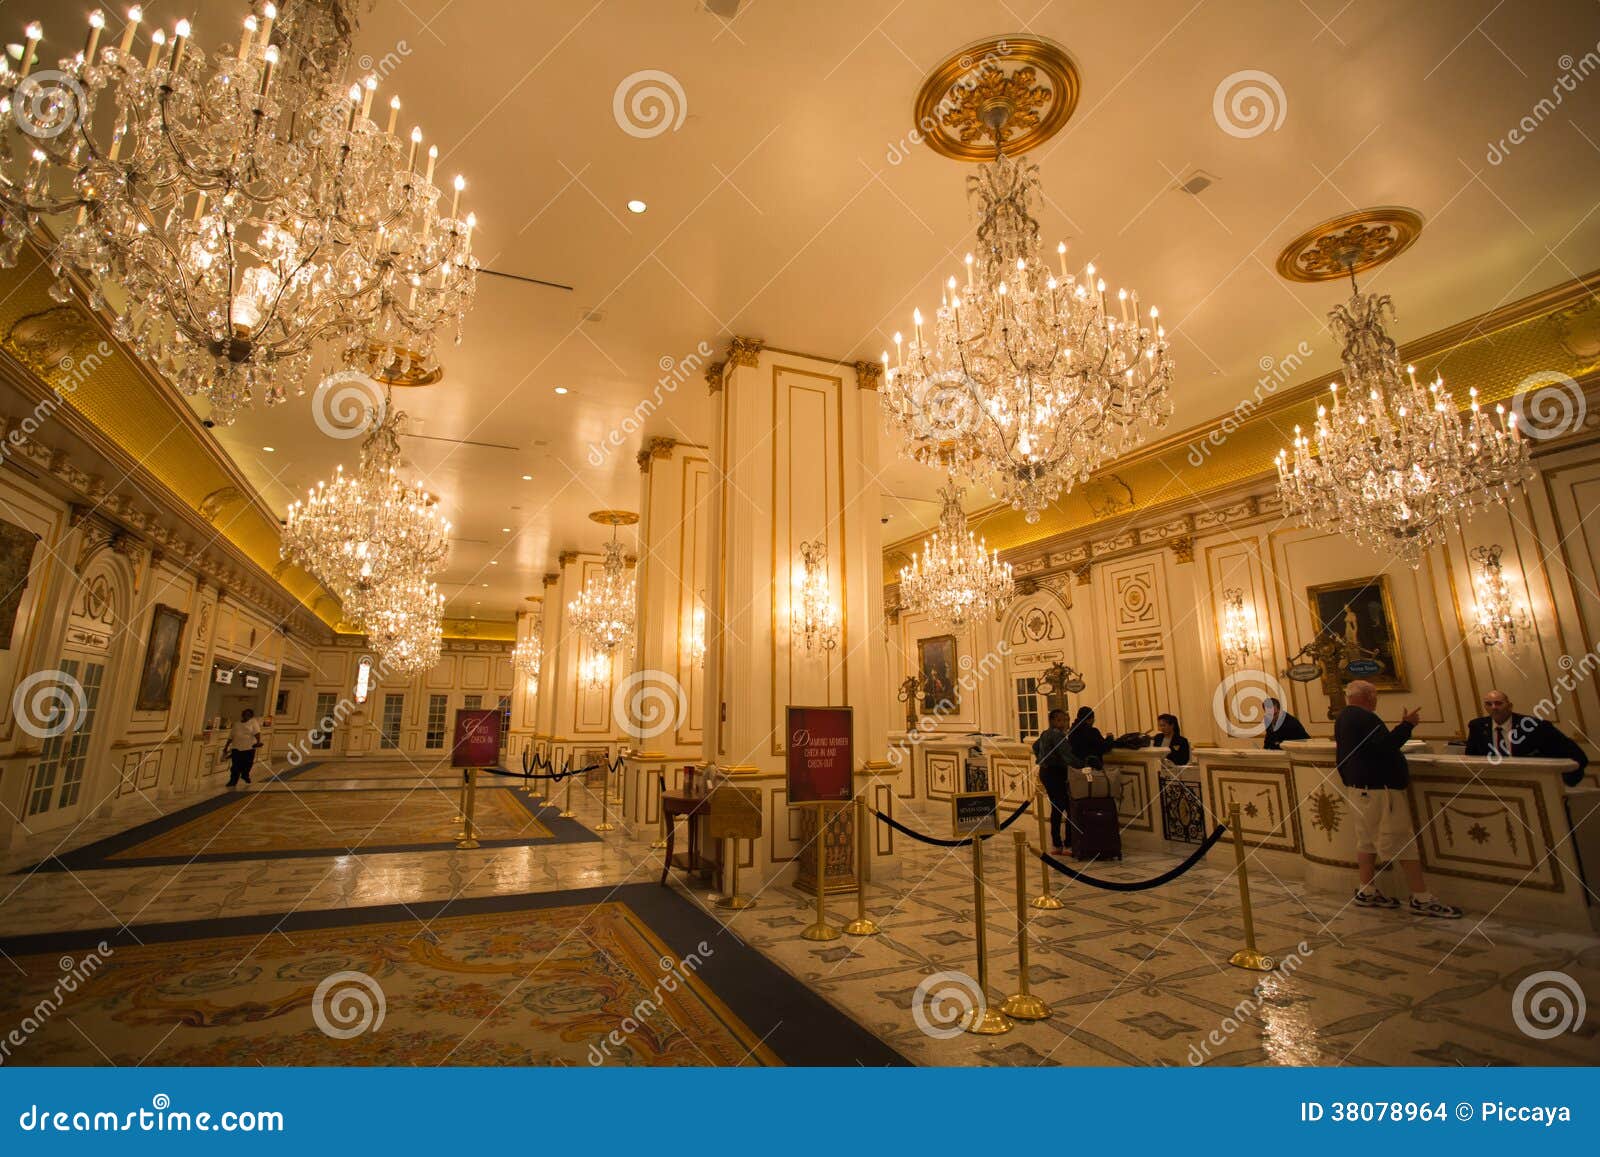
[(1085, 741), (1172, 736)]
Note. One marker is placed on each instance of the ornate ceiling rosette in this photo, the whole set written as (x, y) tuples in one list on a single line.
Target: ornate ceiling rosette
[(1352, 243), (1033, 80)]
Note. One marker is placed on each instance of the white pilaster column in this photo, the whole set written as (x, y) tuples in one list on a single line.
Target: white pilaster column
[(794, 460)]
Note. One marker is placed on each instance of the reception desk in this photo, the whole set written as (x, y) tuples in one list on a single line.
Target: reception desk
[(1503, 836)]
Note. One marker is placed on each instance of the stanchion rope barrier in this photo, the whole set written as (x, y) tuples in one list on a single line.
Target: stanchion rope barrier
[(938, 843), (1142, 885), (566, 772)]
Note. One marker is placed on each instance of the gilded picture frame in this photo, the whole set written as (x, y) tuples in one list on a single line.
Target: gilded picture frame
[(1362, 610), (937, 663), (160, 659)]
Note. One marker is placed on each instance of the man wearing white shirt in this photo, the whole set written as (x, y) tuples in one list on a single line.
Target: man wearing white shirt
[(243, 740)]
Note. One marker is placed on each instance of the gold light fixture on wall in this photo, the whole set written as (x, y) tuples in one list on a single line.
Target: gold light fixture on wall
[(814, 617), (1498, 617), (1237, 639)]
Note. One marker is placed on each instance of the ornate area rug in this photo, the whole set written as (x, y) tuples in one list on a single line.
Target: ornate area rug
[(299, 821), (636, 975), (365, 769)]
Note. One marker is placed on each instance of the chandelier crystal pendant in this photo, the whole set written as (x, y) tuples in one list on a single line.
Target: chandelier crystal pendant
[(1497, 617), (1391, 462), (404, 624), (603, 612), (815, 617), (956, 579), (1029, 377), (363, 533), (249, 210)]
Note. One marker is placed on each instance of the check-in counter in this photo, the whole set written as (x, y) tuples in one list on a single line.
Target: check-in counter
[(1493, 835)]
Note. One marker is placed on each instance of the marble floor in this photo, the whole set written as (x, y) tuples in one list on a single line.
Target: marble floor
[(1133, 978)]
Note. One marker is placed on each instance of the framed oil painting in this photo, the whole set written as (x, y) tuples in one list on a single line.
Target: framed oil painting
[(1361, 611), (936, 660), (160, 659)]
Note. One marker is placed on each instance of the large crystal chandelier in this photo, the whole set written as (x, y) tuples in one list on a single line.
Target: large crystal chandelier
[(1029, 377), (362, 533), (404, 622), (956, 578), (603, 612), (249, 211), (1392, 463)]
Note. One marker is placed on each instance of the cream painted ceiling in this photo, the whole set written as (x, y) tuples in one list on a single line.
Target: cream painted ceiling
[(790, 206)]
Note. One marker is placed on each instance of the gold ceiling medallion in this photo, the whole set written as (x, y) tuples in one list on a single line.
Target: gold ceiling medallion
[(614, 517), (1349, 244), (1031, 80), (403, 367)]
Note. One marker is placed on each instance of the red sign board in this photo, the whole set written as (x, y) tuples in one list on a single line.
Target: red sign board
[(820, 767), (477, 742)]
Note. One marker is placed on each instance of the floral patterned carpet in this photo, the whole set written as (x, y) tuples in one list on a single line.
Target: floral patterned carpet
[(632, 976)]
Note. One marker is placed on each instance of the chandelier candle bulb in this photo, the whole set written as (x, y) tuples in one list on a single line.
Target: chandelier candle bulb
[(248, 39), (179, 40), (135, 14), (157, 39), (33, 33), (269, 13), (97, 21), (394, 114), (433, 156), (269, 62), (411, 157)]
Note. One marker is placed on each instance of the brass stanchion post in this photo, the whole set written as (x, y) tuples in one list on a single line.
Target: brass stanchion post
[(1022, 1004), (1045, 900), (985, 1020), (1246, 957), (822, 930), (470, 789), (730, 855), (566, 811), (605, 824), (862, 925)]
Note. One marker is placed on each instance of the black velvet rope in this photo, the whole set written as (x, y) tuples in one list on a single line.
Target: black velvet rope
[(1143, 885), (938, 843)]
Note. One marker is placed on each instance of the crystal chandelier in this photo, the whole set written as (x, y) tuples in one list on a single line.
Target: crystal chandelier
[(595, 671), (956, 578), (1238, 639), (1029, 379), (1394, 465), (603, 612), (815, 618), (1498, 618), (361, 534), (528, 655), (403, 622), (244, 208), (695, 642)]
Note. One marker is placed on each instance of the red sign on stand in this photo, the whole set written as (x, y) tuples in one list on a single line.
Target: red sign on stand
[(821, 765), (477, 741)]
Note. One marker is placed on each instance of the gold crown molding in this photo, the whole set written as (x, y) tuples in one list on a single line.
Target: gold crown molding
[(655, 448), (1351, 243), (1032, 81), (869, 375), (715, 374), (566, 558), (745, 351), (1494, 351), (551, 580)]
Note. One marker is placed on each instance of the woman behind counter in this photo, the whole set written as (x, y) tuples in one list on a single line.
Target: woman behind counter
[(1172, 736)]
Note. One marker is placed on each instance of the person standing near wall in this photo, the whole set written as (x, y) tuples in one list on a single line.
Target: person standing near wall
[(243, 741)]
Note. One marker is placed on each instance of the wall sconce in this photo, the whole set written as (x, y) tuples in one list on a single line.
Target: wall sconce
[(814, 618), (363, 679), (694, 642), (595, 672), (1498, 618), (1237, 639)]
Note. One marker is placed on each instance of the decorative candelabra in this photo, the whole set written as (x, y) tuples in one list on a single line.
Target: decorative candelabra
[(815, 618)]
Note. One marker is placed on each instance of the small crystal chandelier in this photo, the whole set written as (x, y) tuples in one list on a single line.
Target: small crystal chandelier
[(1029, 379), (1238, 639), (362, 533), (603, 612), (243, 208), (404, 622), (1394, 465), (815, 618), (1498, 618), (956, 578)]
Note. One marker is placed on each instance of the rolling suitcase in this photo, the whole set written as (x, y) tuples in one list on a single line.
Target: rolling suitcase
[(1096, 830)]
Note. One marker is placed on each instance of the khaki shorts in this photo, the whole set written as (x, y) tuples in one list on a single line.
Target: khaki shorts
[(1383, 822)]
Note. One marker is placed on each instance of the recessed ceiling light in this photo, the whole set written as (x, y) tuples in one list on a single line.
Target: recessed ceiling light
[(527, 477), (494, 562), (561, 389), (485, 584), (270, 449), (505, 530), (637, 206)]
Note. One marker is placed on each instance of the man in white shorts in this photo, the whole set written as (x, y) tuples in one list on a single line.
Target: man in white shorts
[(1375, 776)]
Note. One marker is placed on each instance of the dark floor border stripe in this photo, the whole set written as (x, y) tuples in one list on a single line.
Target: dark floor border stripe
[(97, 855), (797, 1024)]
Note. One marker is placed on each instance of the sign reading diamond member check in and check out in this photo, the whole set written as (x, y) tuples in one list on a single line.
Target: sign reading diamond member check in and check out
[(820, 765)]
